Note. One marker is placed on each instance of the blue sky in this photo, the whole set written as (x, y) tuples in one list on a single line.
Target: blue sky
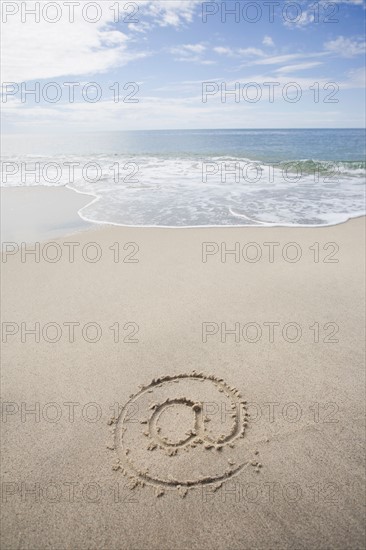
[(171, 50)]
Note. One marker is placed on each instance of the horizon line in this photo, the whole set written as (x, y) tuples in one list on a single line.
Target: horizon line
[(188, 130)]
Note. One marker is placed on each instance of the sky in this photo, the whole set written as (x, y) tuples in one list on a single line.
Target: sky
[(171, 64)]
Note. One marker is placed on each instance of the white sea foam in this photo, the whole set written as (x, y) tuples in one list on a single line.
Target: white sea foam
[(171, 191)]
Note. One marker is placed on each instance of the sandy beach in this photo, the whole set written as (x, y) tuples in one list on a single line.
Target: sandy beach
[(118, 308), (182, 242)]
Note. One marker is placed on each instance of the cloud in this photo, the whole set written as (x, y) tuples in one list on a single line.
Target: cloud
[(306, 17), (183, 107), (298, 67), (39, 50), (169, 12), (223, 51), (350, 2), (278, 59), (192, 53), (155, 112), (346, 47), (248, 52), (187, 49), (34, 51), (268, 41), (239, 52), (195, 59), (299, 17)]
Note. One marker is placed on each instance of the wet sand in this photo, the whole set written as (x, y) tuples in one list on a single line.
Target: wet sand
[(31, 214), (282, 468)]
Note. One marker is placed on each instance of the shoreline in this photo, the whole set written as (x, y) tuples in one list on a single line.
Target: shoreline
[(61, 215)]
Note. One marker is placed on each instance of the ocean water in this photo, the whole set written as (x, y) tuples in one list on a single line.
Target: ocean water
[(189, 178)]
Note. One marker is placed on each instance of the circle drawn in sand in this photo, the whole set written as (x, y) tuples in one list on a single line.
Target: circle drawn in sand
[(182, 432)]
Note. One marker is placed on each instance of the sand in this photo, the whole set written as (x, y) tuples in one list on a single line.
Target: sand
[(30, 214), (249, 439)]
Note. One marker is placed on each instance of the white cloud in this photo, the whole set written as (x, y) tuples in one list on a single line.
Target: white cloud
[(268, 41), (192, 53), (223, 51), (42, 50), (155, 112), (245, 52), (306, 17), (38, 50), (346, 47), (169, 12), (298, 67), (351, 2), (187, 49), (195, 59), (183, 108), (278, 59), (33, 51), (239, 52)]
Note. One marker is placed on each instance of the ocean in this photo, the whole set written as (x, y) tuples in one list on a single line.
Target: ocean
[(185, 178)]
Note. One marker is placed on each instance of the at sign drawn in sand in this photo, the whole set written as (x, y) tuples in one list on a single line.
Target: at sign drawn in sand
[(182, 432)]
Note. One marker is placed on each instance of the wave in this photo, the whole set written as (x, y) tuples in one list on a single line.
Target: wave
[(325, 167), (196, 190)]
